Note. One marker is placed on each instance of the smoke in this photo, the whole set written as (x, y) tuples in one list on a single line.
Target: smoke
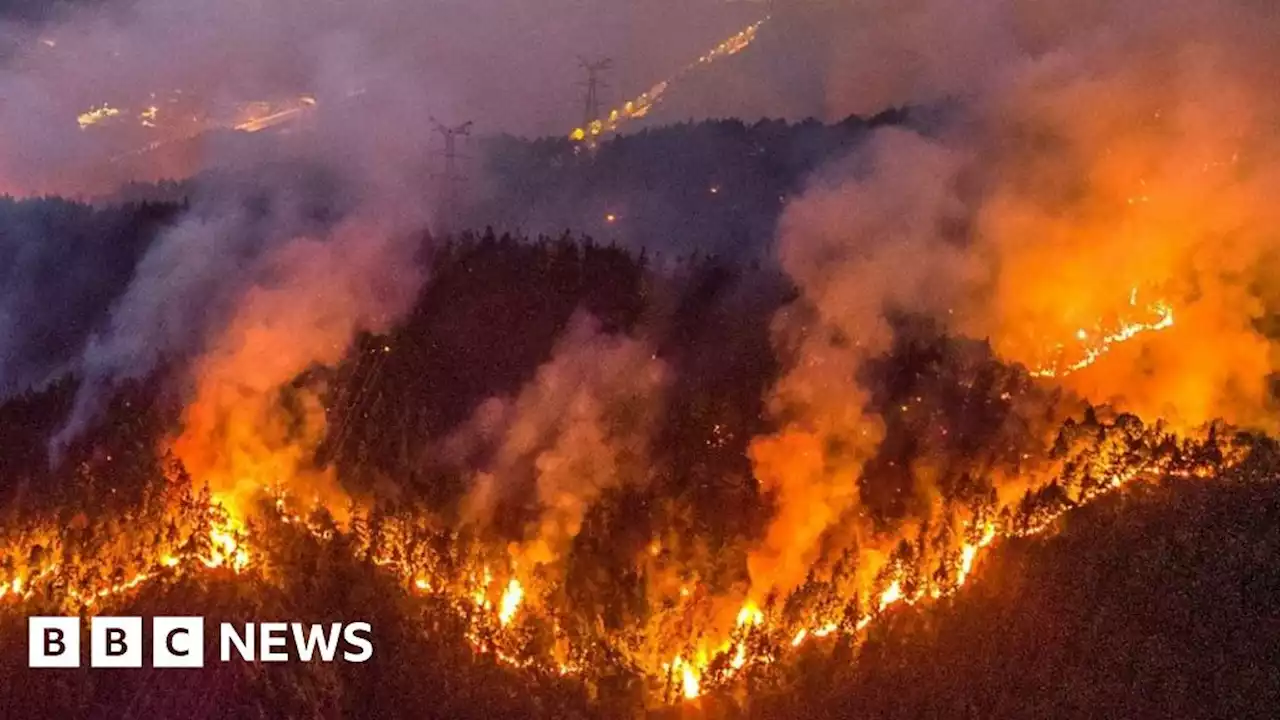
[(855, 248), (581, 427), (175, 74), (244, 429), (275, 268), (299, 240), (388, 65), (64, 264), (246, 293), (1138, 167), (1111, 164), (186, 286)]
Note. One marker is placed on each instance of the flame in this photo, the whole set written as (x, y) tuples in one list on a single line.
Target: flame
[(891, 595), (688, 685), (701, 662), (1095, 345), (970, 552), (510, 602), (750, 615), (225, 549), (481, 594)]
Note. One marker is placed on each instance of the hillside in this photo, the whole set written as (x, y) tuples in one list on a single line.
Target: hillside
[(1159, 587)]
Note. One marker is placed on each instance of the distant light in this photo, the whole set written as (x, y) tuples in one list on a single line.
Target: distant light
[(610, 217), (715, 189)]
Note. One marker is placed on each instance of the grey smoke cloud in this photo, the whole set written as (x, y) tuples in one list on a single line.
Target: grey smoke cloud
[(189, 281), (579, 428), (510, 66), (378, 71), (61, 267)]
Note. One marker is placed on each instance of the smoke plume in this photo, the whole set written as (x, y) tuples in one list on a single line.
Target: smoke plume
[(244, 428), (579, 428), (894, 208), (1097, 210)]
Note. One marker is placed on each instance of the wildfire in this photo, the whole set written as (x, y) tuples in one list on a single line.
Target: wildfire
[(640, 106), (1098, 343), (701, 664)]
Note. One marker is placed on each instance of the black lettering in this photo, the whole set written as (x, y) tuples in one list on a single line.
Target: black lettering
[(115, 639), (53, 637), (168, 642)]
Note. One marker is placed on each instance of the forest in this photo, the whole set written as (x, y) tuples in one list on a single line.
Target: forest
[(1151, 601)]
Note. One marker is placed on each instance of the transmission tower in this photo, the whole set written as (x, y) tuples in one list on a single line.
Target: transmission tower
[(450, 179), (591, 111)]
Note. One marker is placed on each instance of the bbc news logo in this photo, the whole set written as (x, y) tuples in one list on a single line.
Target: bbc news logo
[(178, 642)]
